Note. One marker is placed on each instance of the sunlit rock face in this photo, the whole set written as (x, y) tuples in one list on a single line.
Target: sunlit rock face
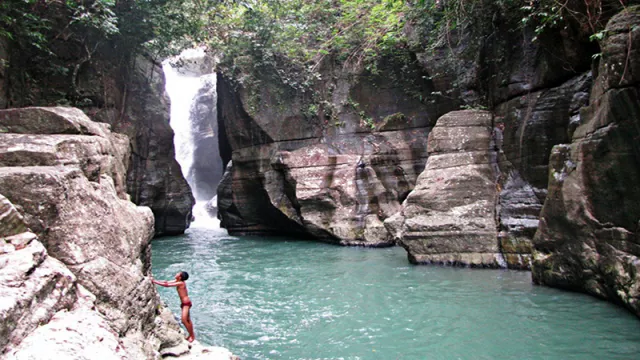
[(333, 171), (74, 252), (449, 218), (588, 234), (31, 280)]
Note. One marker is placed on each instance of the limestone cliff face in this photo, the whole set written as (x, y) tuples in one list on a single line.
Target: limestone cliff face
[(110, 86), (588, 235), (333, 170), (154, 178), (75, 253), (372, 136)]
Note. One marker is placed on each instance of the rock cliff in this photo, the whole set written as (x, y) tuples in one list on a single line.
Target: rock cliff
[(589, 227), (102, 77), (332, 170), (75, 252), (337, 169)]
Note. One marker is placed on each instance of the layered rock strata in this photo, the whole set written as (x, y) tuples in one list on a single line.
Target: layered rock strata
[(449, 218), (111, 86), (532, 124), (588, 238), (538, 104), (331, 171), (75, 259)]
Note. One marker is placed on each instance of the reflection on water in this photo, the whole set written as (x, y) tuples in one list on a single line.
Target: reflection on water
[(287, 299)]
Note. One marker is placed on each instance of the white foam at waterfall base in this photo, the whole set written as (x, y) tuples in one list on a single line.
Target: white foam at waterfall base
[(202, 217)]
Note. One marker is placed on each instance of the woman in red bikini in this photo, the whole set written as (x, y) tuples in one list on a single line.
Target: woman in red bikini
[(180, 285)]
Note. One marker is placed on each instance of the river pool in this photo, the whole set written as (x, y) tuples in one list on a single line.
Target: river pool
[(266, 298)]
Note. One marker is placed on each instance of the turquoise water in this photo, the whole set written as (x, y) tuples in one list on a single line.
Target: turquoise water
[(287, 299)]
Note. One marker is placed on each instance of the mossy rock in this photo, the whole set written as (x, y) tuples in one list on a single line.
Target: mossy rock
[(393, 122)]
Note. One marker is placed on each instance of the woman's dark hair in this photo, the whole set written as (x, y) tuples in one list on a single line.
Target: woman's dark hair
[(184, 275)]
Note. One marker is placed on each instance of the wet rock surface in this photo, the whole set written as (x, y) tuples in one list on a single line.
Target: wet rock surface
[(588, 234)]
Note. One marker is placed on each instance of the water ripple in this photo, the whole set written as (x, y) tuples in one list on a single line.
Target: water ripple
[(288, 299)]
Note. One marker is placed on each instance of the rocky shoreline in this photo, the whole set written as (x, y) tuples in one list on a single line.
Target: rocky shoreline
[(75, 256)]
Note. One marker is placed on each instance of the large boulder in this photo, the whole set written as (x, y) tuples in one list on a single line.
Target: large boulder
[(110, 86), (154, 177), (449, 218), (73, 334), (74, 140), (589, 227), (33, 285), (94, 233)]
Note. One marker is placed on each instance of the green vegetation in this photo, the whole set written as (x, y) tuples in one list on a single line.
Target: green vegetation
[(304, 32), (589, 16), (291, 39), (287, 42), (161, 26)]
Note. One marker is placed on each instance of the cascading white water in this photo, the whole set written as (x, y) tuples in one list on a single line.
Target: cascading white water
[(182, 86)]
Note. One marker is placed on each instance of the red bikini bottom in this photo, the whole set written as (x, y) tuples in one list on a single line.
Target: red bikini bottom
[(188, 303)]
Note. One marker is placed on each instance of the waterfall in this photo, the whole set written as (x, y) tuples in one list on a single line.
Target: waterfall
[(191, 86)]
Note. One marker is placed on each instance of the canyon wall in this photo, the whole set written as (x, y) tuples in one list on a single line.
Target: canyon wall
[(332, 170), (75, 255), (544, 179), (588, 238), (101, 76), (341, 168)]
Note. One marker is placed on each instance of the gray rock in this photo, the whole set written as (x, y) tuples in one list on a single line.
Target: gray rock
[(33, 288), (333, 171), (4, 59), (154, 177), (96, 156), (588, 234), (66, 218), (11, 220), (78, 334), (97, 257), (50, 120), (449, 218)]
